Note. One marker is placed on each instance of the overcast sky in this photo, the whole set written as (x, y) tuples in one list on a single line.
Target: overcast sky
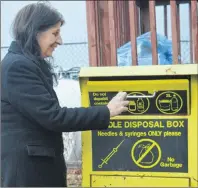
[(74, 12)]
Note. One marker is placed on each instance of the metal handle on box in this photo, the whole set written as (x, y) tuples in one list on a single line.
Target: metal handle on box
[(141, 96)]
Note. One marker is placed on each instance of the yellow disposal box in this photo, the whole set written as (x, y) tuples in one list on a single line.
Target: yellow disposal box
[(154, 143)]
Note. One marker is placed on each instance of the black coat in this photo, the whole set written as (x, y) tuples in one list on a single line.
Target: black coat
[(32, 123)]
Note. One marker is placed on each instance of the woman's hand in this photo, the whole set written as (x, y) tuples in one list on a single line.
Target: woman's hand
[(118, 104)]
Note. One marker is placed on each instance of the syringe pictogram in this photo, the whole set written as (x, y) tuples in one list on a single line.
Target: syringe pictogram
[(104, 161)]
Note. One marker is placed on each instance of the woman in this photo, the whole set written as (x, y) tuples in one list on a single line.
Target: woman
[(32, 119)]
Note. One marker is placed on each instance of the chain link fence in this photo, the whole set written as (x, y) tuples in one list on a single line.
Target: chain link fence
[(68, 58), (67, 55), (71, 55), (68, 93), (185, 52)]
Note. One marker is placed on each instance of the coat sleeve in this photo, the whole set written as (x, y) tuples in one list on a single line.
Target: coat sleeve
[(27, 93)]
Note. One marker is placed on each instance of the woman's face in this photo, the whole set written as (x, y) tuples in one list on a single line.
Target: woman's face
[(49, 40)]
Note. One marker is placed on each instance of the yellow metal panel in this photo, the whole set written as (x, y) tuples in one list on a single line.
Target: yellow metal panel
[(165, 179), (193, 133), (138, 85), (157, 70), (150, 86), (126, 181)]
